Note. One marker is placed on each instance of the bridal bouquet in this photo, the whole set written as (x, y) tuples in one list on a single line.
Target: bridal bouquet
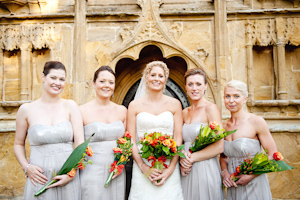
[(261, 164), (122, 153), (76, 160), (159, 148), (208, 134)]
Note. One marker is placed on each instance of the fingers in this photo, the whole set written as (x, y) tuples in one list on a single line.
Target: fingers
[(32, 181), (160, 183), (35, 175), (185, 163), (62, 180), (114, 176)]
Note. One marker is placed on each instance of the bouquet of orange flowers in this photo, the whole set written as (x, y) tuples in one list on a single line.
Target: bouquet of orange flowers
[(159, 148), (261, 164), (76, 160), (208, 134), (122, 153)]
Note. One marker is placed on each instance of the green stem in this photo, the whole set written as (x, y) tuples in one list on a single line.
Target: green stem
[(43, 189), (109, 179)]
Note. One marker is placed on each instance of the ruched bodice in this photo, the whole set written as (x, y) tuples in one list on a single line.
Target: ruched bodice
[(93, 177), (50, 147), (204, 181), (141, 187), (237, 151)]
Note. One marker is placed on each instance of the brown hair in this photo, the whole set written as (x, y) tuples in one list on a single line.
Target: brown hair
[(52, 65), (193, 72), (103, 68)]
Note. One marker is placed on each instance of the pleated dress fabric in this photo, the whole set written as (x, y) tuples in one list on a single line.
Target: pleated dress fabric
[(50, 147), (258, 188), (204, 181), (94, 176)]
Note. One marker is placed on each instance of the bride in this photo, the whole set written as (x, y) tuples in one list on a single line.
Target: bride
[(152, 111)]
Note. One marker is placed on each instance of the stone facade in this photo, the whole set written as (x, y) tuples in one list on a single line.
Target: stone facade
[(256, 41)]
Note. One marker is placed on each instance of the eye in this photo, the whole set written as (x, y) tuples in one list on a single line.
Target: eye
[(227, 96), (236, 96), (53, 77), (190, 84), (111, 83), (161, 76), (152, 75), (62, 79), (101, 81), (199, 84)]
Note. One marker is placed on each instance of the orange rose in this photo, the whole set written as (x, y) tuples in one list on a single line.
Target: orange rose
[(117, 150), (72, 173), (173, 143), (89, 151), (122, 141), (174, 149), (238, 169), (81, 166), (213, 125), (277, 156), (154, 142), (167, 143), (127, 134)]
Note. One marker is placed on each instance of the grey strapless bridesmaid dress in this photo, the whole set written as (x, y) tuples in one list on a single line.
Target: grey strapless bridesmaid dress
[(93, 177), (204, 181), (50, 147), (258, 188)]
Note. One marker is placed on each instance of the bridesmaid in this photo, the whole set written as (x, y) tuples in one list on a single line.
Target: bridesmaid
[(200, 170), (52, 124), (252, 132), (107, 120)]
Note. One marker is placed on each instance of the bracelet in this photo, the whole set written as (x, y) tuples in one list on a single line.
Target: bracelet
[(223, 171), (25, 172), (141, 165)]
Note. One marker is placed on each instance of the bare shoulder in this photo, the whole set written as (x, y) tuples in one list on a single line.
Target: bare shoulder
[(211, 107), (25, 108), (173, 101), (120, 108), (69, 103), (135, 104), (256, 121), (185, 111)]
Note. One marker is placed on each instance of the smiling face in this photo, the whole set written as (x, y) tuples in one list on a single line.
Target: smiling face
[(156, 79), (104, 84), (195, 86), (234, 99), (54, 81)]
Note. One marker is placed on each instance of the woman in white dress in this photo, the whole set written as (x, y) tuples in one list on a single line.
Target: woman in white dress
[(154, 112), (201, 179), (107, 120), (252, 133), (52, 124)]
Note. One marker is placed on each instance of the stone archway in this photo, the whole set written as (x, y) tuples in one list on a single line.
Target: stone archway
[(129, 73)]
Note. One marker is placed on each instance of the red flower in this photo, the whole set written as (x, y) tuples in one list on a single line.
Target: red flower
[(213, 125), (113, 165), (89, 151), (120, 168), (277, 156), (154, 142), (72, 173), (122, 141), (190, 151), (238, 169), (80, 166), (117, 150), (127, 134)]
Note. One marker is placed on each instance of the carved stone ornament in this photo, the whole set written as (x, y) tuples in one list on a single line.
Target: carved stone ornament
[(35, 6), (126, 33), (201, 54), (26, 36), (176, 30)]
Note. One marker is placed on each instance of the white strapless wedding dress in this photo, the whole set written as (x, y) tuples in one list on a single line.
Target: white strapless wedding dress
[(141, 187)]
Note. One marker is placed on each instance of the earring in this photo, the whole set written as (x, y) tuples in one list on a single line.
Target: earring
[(204, 92), (113, 94)]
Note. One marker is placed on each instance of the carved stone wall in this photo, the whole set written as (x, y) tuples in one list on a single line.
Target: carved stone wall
[(256, 41)]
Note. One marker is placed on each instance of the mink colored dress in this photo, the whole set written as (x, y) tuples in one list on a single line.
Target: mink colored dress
[(94, 176), (256, 189), (204, 181), (50, 147)]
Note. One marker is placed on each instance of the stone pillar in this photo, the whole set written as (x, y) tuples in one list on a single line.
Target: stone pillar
[(79, 64), (282, 92), (1, 74), (25, 65), (249, 61), (221, 49)]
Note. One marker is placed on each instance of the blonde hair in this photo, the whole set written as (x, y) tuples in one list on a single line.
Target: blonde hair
[(238, 85), (150, 66)]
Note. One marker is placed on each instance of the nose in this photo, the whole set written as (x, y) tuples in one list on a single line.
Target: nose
[(231, 99), (194, 86), (57, 82)]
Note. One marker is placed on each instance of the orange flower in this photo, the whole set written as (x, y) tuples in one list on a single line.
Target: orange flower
[(122, 141), (167, 143), (81, 166), (174, 149), (120, 169), (173, 143), (238, 169), (127, 134), (72, 173), (89, 151), (122, 159), (213, 125), (117, 150), (277, 156), (154, 142)]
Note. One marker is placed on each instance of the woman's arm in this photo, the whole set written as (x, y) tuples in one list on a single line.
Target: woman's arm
[(33, 172), (227, 181), (76, 121)]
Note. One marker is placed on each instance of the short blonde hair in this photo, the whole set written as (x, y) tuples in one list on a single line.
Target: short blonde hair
[(238, 85)]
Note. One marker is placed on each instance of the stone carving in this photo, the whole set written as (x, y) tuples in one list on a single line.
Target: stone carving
[(201, 54), (176, 30), (262, 32), (24, 36), (126, 33), (35, 6)]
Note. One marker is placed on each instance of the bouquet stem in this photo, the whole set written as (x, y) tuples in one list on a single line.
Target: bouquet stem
[(43, 189), (109, 179), (158, 165)]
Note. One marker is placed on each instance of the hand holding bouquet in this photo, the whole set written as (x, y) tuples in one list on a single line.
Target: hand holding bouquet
[(76, 160), (261, 164), (159, 147), (208, 134), (122, 153)]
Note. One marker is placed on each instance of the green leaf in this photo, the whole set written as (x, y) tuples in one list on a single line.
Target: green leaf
[(146, 155), (166, 150), (145, 148), (181, 154), (180, 147)]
